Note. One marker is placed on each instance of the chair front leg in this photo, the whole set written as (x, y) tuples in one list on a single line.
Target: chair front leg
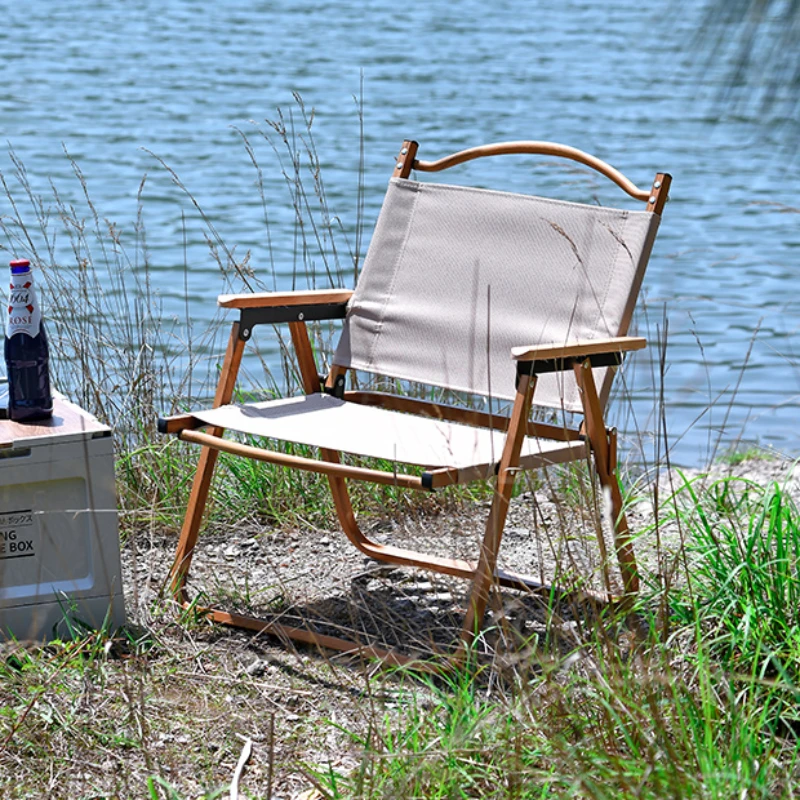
[(201, 484), (604, 451), (487, 563)]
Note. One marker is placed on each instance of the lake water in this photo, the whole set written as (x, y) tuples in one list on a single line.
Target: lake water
[(623, 80)]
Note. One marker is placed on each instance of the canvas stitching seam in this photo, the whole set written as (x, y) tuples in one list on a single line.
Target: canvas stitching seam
[(390, 293)]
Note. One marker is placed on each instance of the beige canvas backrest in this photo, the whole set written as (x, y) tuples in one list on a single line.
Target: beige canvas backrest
[(455, 277)]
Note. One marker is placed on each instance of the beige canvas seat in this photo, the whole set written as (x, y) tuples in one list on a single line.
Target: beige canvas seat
[(518, 299)]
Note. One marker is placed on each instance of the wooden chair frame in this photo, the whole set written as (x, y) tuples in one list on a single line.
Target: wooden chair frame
[(298, 308)]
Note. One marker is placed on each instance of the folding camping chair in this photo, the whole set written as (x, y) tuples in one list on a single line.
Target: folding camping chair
[(474, 291)]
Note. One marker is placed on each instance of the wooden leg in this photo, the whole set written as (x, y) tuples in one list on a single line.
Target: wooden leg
[(341, 496), (456, 567), (604, 450), (205, 470), (487, 563)]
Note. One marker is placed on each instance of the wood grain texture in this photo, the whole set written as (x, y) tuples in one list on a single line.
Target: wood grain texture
[(305, 357), (537, 148), (603, 447), (659, 194), (405, 159), (201, 484), (299, 462), (272, 299), (490, 546), (590, 347)]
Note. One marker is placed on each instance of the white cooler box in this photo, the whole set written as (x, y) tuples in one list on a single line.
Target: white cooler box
[(59, 543)]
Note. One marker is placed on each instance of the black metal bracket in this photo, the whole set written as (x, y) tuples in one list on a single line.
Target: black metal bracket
[(337, 390), (275, 315), (543, 366)]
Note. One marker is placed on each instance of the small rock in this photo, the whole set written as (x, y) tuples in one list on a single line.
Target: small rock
[(256, 668)]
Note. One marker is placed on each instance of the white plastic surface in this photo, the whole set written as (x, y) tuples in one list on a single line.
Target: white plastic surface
[(59, 542)]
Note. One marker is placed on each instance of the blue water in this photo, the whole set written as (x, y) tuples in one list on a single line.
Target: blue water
[(114, 83)]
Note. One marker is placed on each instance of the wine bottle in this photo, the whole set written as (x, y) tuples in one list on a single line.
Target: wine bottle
[(26, 350)]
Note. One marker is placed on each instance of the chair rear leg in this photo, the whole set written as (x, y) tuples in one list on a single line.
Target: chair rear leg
[(389, 554), (201, 484)]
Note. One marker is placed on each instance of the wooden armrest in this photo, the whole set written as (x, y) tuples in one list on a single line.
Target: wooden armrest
[(589, 347), (284, 299)]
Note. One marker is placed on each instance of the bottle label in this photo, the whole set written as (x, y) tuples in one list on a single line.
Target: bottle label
[(24, 314)]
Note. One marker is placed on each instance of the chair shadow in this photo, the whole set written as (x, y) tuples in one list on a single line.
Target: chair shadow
[(421, 616)]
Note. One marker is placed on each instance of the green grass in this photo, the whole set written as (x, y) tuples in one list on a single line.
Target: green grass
[(738, 455), (745, 573), (452, 741), (608, 728), (704, 707)]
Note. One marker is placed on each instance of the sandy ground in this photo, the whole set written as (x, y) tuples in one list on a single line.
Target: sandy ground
[(317, 578)]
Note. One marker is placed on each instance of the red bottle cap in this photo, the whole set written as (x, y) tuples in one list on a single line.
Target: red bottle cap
[(22, 262)]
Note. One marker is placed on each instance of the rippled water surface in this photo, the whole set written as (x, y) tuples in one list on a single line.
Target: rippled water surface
[(116, 83)]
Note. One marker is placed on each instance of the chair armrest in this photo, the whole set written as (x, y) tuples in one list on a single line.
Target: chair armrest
[(278, 307), (540, 359), (309, 297), (573, 350)]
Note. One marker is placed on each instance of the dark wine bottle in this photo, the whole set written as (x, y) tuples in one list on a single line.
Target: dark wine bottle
[(26, 351)]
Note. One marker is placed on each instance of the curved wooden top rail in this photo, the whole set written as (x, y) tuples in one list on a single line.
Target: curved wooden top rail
[(537, 148)]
